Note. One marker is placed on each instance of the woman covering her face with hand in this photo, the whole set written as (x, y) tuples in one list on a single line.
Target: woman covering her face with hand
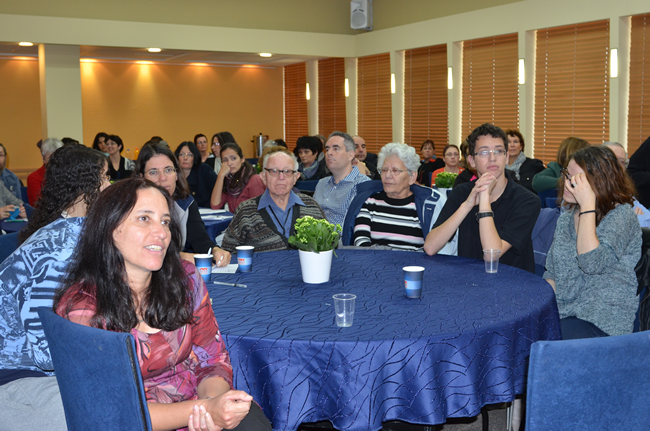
[(596, 247), (138, 284)]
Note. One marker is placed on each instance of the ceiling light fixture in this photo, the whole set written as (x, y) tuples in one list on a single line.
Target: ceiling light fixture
[(266, 54), (26, 44), (154, 49)]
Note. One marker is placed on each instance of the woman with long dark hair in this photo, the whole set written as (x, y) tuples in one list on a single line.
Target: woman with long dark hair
[(200, 178), (157, 163), (118, 167), (237, 180), (99, 143), (138, 284), (596, 246)]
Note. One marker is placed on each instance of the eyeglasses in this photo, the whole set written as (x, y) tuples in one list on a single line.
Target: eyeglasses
[(393, 171), (109, 143), (190, 155), (451, 155), (276, 172), (486, 153), (154, 173)]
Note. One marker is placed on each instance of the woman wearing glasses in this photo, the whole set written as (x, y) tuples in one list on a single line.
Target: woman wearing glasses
[(596, 246), (200, 178), (396, 213), (266, 222), (237, 180), (158, 164), (214, 160), (451, 156)]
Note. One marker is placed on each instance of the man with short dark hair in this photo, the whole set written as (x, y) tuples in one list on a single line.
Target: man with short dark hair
[(335, 193), (365, 159), (492, 212), (10, 179)]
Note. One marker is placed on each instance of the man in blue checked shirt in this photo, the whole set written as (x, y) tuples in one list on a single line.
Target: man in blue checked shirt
[(335, 193)]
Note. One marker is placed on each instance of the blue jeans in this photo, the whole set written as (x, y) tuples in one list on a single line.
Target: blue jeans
[(574, 328)]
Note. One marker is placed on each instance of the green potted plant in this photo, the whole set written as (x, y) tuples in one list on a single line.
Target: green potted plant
[(445, 180), (315, 241)]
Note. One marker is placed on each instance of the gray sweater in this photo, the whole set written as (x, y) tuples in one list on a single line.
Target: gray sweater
[(598, 286)]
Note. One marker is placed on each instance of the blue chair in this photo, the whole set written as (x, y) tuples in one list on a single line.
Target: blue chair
[(8, 244), (542, 236), (548, 198), (306, 186), (98, 375), (23, 194), (590, 384)]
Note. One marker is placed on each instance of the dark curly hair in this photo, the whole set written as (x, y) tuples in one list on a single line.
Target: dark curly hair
[(486, 129), (151, 150), (607, 178), (98, 268), (73, 172)]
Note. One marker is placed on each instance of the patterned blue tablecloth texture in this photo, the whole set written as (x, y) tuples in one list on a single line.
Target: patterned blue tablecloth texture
[(465, 343)]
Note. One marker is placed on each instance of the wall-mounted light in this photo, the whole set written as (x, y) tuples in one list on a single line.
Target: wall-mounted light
[(26, 44), (266, 54), (522, 71), (308, 93), (392, 83), (347, 88), (154, 49), (450, 78), (613, 66)]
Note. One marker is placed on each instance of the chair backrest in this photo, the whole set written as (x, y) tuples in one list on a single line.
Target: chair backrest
[(8, 244), (307, 185), (589, 384), (552, 193), (542, 236), (98, 375), (23, 194)]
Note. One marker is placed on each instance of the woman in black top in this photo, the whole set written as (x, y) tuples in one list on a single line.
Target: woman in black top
[(199, 176), (118, 167)]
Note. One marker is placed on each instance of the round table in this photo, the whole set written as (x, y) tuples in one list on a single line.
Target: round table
[(465, 343)]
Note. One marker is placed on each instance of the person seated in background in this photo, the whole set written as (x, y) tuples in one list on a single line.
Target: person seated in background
[(451, 156), (214, 160), (621, 155), (266, 222), (548, 178), (429, 163), (469, 173), (335, 193), (9, 179), (280, 142), (491, 213), (308, 148), (118, 167), (139, 285), (35, 179), (74, 177), (639, 170), (99, 143), (9, 203), (200, 178), (524, 168), (158, 164), (237, 180), (201, 142), (401, 213), (365, 161), (596, 247)]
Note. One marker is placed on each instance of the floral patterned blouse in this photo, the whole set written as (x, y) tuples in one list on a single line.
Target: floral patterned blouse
[(173, 363)]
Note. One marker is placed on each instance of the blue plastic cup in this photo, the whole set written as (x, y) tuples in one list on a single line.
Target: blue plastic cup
[(413, 279), (203, 263), (245, 258)]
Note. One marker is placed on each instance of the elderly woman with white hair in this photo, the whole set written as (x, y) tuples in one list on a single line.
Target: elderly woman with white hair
[(396, 213)]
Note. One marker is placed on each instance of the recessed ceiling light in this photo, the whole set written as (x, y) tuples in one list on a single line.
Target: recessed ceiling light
[(266, 54), (154, 49), (26, 44)]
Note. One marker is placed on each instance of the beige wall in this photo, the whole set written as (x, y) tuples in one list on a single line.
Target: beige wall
[(138, 101)]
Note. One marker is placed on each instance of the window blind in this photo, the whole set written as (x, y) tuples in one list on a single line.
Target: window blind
[(331, 96), (425, 97), (571, 86), (490, 83), (374, 110), (295, 103), (638, 127)]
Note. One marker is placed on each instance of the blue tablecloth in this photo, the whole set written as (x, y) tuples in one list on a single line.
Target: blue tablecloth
[(465, 343), (12, 226), (215, 227)]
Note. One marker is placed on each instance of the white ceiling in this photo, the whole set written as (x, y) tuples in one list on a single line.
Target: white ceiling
[(178, 57)]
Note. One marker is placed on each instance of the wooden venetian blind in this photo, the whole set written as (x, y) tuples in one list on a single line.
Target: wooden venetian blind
[(295, 103), (331, 96), (490, 86), (638, 127), (425, 97), (374, 111), (571, 86)]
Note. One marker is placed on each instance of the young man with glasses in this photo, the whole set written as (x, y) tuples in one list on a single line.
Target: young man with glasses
[(492, 212)]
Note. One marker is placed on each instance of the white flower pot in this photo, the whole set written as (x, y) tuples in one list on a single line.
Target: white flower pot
[(315, 266)]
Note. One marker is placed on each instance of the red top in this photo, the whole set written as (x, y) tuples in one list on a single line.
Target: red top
[(253, 189), (34, 182)]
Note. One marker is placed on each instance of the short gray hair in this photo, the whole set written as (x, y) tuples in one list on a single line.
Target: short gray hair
[(281, 151), (50, 145), (347, 140), (404, 152), (614, 144)]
